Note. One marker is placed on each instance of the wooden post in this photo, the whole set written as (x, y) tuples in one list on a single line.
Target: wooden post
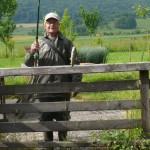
[(2, 97), (145, 109)]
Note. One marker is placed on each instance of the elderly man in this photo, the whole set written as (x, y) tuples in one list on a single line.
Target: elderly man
[(54, 50)]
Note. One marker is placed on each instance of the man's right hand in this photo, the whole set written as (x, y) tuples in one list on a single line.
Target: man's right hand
[(34, 47)]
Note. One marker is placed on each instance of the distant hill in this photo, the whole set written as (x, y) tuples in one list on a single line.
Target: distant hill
[(108, 9)]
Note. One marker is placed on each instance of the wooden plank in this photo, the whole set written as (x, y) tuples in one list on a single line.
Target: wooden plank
[(41, 144), (70, 106), (118, 67), (6, 127), (144, 76), (2, 97), (65, 87), (102, 145)]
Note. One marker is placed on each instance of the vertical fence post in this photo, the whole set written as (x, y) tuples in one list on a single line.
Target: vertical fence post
[(145, 110), (2, 97)]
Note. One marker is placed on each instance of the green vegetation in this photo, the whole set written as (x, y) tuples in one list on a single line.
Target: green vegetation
[(90, 19), (109, 11), (7, 9), (66, 26), (26, 12), (126, 22), (108, 30), (122, 139), (6, 24)]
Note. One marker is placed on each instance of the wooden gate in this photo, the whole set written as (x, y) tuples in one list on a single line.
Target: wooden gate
[(141, 84)]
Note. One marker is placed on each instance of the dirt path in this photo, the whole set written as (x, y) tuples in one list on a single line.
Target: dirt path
[(75, 116)]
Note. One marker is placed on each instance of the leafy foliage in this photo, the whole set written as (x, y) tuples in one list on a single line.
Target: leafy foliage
[(141, 11), (90, 19), (6, 29), (123, 139), (66, 26), (126, 22), (109, 10), (7, 8)]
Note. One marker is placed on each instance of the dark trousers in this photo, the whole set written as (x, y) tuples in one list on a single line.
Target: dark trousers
[(58, 116)]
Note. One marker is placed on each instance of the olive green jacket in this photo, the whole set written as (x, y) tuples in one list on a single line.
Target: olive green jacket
[(48, 57)]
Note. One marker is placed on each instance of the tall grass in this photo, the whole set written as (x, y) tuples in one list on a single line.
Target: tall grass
[(123, 44), (19, 50)]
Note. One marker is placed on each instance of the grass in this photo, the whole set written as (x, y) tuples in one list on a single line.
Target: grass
[(11, 62), (142, 22), (124, 57)]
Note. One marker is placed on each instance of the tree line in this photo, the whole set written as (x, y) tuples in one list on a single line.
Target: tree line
[(108, 9)]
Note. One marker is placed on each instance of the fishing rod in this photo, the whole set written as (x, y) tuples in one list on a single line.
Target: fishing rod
[(37, 27), (30, 98), (36, 55)]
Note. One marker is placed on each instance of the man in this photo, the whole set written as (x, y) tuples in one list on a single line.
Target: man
[(54, 50)]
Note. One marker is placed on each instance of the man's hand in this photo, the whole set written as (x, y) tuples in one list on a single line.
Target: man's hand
[(34, 47)]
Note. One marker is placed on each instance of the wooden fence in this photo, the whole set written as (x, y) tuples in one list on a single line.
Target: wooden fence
[(141, 84)]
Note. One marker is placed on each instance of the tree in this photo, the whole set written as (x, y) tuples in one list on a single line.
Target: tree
[(6, 29), (7, 10), (126, 22), (90, 19), (142, 11), (66, 26)]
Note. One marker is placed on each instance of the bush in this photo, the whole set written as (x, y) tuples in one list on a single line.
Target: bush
[(126, 22), (95, 54)]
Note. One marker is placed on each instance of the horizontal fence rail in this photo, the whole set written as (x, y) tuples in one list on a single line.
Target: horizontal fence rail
[(120, 67), (40, 144), (71, 87), (6, 127), (70, 106)]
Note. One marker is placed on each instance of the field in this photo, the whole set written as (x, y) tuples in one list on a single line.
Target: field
[(141, 26), (25, 28), (125, 49)]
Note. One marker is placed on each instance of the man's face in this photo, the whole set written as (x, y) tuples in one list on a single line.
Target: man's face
[(52, 26)]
